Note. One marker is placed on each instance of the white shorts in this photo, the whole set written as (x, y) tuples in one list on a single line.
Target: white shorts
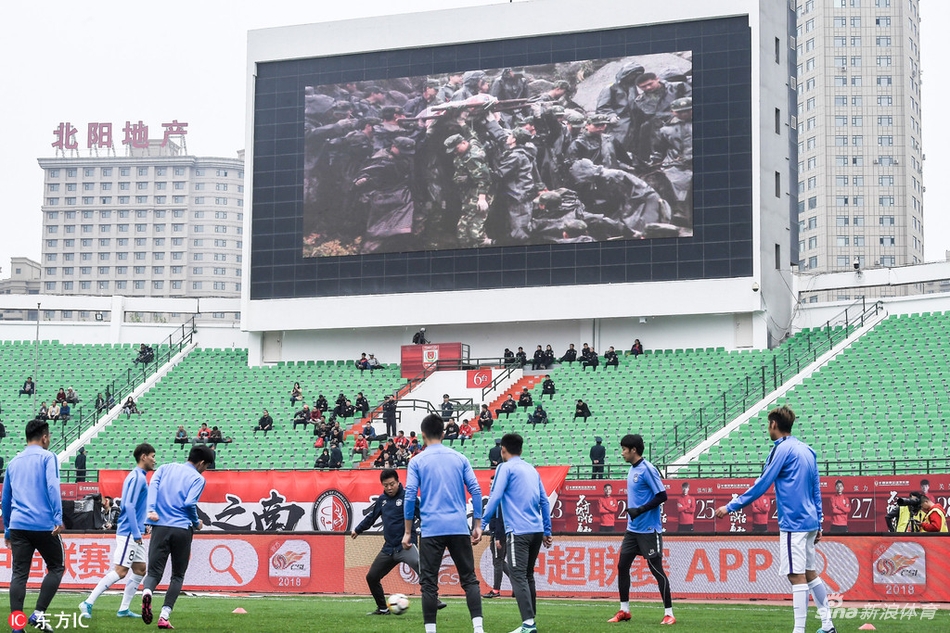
[(797, 551), (127, 551)]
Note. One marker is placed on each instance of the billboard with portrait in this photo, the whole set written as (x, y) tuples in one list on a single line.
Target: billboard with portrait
[(560, 153)]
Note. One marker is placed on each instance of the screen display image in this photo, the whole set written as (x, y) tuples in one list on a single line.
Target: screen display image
[(584, 151)]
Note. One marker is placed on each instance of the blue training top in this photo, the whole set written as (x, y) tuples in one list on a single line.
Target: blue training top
[(643, 484), (134, 505), (793, 467), (440, 475), (519, 491), (37, 503), (173, 495)]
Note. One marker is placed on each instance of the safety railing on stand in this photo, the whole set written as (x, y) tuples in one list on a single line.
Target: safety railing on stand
[(706, 420), (117, 389)]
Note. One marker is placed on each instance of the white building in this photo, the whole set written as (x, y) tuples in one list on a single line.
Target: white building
[(860, 189), (158, 223)]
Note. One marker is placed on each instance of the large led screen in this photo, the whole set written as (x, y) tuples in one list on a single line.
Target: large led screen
[(597, 157), (585, 151)]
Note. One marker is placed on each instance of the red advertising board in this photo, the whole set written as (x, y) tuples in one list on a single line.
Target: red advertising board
[(580, 504), (478, 378), (415, 358), (298, 501), (896, 568)]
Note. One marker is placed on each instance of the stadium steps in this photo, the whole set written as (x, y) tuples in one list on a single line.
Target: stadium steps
[(529, 381), (885, 397)]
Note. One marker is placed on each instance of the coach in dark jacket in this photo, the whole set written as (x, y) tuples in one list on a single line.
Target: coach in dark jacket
[(389, 507)]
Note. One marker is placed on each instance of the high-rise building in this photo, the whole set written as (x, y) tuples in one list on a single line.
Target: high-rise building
[(860, 189), (156, 223)]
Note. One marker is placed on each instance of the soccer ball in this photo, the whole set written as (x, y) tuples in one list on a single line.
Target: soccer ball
[(398, 603)]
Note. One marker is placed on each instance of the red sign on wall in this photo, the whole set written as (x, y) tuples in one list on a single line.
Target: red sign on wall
[(478, 378)]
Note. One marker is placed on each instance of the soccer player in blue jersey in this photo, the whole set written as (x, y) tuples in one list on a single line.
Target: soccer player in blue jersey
[(519, 491), (33, 520), (793, 467), (645, 494), (172, 512), (440, 476), (129, 550)]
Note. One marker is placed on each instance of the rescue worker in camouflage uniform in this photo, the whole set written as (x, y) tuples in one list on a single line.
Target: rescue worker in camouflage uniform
[(473, 180), (673, 152), (519, 182)]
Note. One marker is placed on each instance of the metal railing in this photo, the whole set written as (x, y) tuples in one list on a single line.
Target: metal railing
[(117, 389), (700, 423)]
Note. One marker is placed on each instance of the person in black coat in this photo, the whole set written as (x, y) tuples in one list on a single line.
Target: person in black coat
[(548, 357), (494, 455), (524, 399), (81, 465), (362, 404), (419, 338), (508, 407), (611, 357), (389, 415), (547, 387), (598, 453), (590, 359), (497, 543), (336, 456), (581, 410), (537, 362), (485, 419), (521, 359), (570, 355)]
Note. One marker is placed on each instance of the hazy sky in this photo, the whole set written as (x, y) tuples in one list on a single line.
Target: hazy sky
[(117, 60)]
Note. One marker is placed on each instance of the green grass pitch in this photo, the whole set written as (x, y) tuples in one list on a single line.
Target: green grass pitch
[(328, 614)]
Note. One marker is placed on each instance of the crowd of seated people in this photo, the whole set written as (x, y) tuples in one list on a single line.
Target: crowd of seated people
[(60, 410), (545, 358), (365, 362)]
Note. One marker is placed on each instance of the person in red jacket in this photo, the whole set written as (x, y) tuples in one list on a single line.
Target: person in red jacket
[(607, 508), (935, 519), (840, 509), (685, 510), (360, 446), (760, 514)]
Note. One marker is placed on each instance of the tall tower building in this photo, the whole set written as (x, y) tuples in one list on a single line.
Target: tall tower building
[(860, 189), (156, 223)]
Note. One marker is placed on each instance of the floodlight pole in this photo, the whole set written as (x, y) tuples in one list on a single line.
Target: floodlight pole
[(36, 356)]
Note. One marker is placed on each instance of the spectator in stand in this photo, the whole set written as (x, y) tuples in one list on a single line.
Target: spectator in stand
[(100, 403), (323, 461), (348, 410), (64, 411), (935, 518), (52, 413), (302, 416), (339, 405), (570, 355), (537, 361), (81, 465), (524, 398), (217, 437), (296, 394), (204, 434), (401, 441), (362, 404), (110, 399), (265, 423), (41, 413), (521, 359), (540, 416), (369, 432), (590, 358), (611, 357), (389, 414), (508, 407), (71, 396), (414, 447), (181, 436), (485, 419), (447, 408), (321, 403), (760, 514), (581, 410), (466, 432), (547, 387), (146, 355), (61, 396), (685, 510), (130, 407), (362, 362), (840, 509), (29, 387), (451, 431), (508, 357), (494, 455), (373, 363), (335, 433), (360, 447), (316, 416), (607, 507), (548, 357), (336, 456), (598, 455), (402, 458), (381, 459), (637, 348), (391, 449)]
